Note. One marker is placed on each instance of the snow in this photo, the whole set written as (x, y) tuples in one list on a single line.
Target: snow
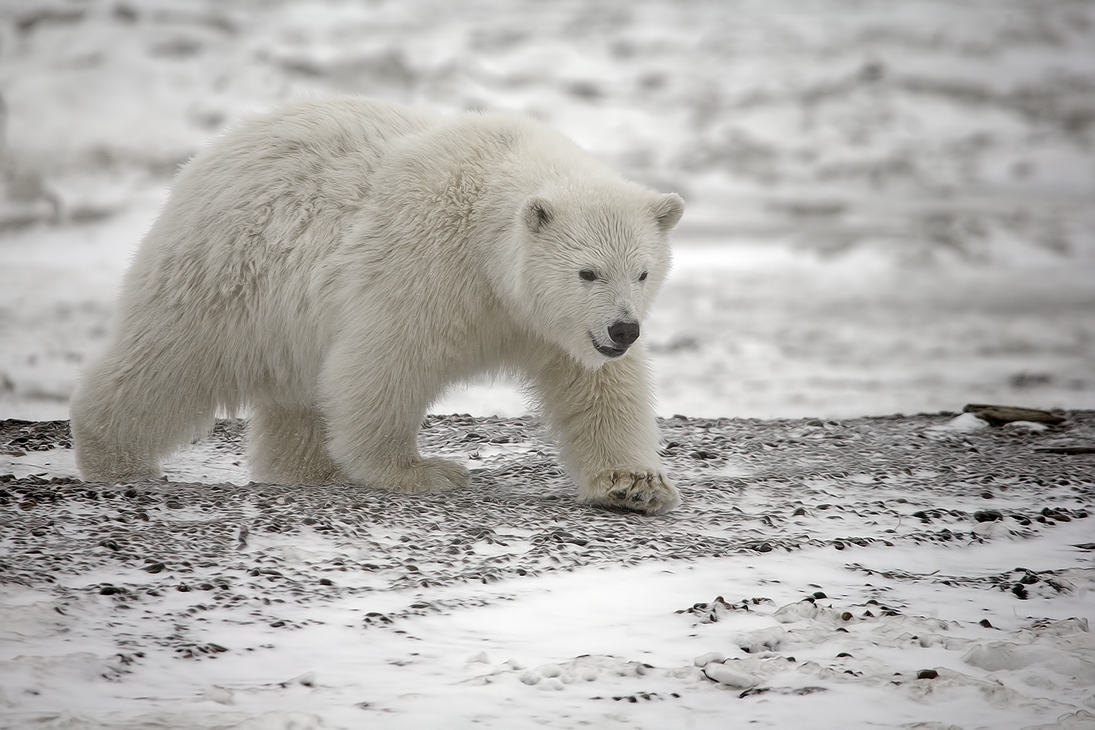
[(892, 572), (567, 650), (889, 211)]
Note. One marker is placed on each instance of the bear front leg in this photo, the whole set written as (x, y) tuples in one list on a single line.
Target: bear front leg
[(604, 422), (374, 407)]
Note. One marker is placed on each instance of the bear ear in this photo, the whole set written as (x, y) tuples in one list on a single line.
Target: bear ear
[(537, 213), (668, 209)]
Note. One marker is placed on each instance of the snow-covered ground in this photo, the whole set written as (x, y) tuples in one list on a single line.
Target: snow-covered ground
[(889, 210), (918, 572)]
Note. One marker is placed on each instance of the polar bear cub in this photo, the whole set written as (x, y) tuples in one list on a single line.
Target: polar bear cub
[(336, 264)]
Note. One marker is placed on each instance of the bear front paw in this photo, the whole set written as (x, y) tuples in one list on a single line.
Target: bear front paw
[(636, 490), (427, 475)]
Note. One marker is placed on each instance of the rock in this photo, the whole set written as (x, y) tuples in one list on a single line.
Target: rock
[(1000, 415)]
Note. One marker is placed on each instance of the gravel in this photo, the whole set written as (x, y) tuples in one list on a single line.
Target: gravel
[(749, 486)]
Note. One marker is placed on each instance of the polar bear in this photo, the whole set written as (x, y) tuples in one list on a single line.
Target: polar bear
[(335, 265)]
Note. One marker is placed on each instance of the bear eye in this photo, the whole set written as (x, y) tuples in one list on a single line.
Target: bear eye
[(587, 275), (642, 276)]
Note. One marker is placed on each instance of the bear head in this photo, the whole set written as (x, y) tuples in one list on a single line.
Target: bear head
[(591, 261)]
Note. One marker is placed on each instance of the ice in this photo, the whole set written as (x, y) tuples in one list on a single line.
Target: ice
[(712, 656), (730, 674), (963, 424)]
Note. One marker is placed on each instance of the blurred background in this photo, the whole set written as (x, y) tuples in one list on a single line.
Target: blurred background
[(891, 205)]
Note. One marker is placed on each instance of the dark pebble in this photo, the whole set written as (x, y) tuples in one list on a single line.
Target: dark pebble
[(844, 654), (987, 495), (155, 568), (986, 623), (820, 594), (838, 545), (987, 515), (764, 547), (801, 511), (846, 616), (927, 674)]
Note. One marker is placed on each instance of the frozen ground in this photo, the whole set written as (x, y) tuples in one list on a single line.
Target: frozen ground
[(913, 572), (889, 211)]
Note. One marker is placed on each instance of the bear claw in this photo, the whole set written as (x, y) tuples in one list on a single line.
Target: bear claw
[(634, 490)]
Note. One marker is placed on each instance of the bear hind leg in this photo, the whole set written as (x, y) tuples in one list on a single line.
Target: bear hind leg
[(126, 419), (289, 446)]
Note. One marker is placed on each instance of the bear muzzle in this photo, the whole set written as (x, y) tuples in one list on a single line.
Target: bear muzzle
[(622, 335)]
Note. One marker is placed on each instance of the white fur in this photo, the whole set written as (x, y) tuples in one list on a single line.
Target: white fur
[(336, 264)]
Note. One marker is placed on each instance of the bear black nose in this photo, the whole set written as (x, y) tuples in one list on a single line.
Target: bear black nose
[(624, 333)]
